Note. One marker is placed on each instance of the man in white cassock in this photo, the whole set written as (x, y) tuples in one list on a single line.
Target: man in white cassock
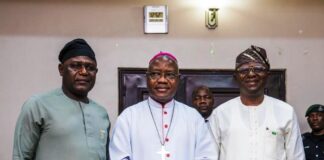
[(255, 126), (161, 128)]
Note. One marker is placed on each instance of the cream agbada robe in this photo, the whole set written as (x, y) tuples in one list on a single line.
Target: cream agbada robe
[(135, 135), (269, 131)]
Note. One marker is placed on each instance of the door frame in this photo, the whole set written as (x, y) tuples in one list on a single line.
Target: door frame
[(132, 85)]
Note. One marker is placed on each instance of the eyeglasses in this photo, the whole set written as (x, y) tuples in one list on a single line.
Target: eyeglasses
[(77, 66), (158, 75), (256, 70)]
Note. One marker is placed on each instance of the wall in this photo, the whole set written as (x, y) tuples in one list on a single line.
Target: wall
[(33, 32)]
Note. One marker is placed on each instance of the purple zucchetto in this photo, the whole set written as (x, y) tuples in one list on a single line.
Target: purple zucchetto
[(161, 53)]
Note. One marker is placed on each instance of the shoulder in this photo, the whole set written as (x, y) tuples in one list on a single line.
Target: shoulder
[(51, 95), (36, 105), (97, 105), (188, 112), (97, 109), (37, 99), (130, 114), (134, 109), (189, 115), (228, 105), (283, 113), (280, 107), (278, 102), (307, 138), (306, 135), (185, 108), (221, 116)]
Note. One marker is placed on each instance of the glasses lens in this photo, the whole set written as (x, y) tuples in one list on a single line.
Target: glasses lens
[(259, 70), (243, 71), (170, 75), (256, 70), (157, 75), (80, 66), (154, 75)]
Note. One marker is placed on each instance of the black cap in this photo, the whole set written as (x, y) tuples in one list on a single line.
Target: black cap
[(76, 47), (314, 108)]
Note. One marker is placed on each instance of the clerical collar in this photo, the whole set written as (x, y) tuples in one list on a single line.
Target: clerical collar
[(154, 103)]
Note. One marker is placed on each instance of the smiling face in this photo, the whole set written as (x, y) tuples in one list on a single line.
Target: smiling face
[(316, 121), (162, 79), (252, 79), (78, 76)]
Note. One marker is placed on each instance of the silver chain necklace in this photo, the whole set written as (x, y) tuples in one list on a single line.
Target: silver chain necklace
[(163, 139)]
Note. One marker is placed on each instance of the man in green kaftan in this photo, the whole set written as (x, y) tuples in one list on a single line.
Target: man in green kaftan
[(64, 124)]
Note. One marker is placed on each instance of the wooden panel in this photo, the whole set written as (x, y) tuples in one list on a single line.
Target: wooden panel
[(132, 85)]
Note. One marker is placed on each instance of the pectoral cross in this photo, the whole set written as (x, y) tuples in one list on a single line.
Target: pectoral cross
[(163, 152)]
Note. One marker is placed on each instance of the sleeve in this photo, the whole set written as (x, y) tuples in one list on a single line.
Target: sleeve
[(206, 148), (120, 144), (27, 132), (293, 141), (214, 129)]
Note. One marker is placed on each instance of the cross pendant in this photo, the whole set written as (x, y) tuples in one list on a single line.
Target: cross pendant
[(163, 152)]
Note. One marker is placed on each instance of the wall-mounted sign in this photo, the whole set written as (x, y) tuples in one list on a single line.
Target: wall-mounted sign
[(211, 18), (156, 19)]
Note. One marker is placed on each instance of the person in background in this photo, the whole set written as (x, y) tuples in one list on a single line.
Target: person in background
[(203, 101), (254, 126), (161, 128), (314, 141), (64, 124)]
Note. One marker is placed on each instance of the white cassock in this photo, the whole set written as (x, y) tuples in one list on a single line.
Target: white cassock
[(137, 137), (269, 131)]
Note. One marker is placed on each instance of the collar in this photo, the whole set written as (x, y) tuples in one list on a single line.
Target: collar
[(61, 92), (261, 105), (315, 138), (156, 104)]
